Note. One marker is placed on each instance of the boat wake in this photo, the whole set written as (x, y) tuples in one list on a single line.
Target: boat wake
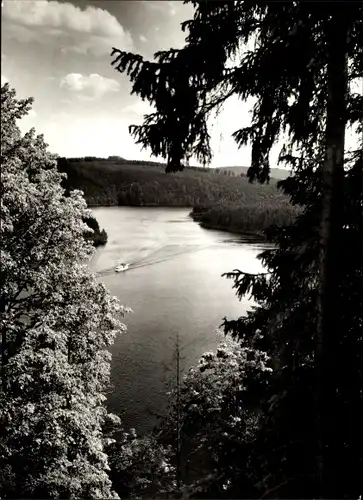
[(166, 258), (144, 261)]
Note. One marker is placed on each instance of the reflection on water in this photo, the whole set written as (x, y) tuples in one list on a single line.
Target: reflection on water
[(174, 285)]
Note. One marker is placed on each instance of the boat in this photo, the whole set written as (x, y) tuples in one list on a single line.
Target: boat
[(124, 266)]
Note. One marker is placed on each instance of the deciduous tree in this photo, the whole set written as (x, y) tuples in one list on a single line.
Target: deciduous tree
[(57, 323)]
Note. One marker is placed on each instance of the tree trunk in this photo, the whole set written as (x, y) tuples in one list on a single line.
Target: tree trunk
[(330, 329)]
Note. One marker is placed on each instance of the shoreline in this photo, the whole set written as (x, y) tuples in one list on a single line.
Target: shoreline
[(258, 236), (230, 229)]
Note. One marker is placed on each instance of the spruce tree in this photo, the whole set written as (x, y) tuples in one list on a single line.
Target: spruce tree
[(297, 60), (57, 323)]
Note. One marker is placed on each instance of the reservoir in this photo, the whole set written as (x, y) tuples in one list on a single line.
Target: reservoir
[(174, 287)]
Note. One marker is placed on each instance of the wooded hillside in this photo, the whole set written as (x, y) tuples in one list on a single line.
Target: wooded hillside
[(220, 199), (124, 182)]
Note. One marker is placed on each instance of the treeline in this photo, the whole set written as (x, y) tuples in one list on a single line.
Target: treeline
[(97, 237), (249, 218), (122, 161), (123, 182), (229, 201)]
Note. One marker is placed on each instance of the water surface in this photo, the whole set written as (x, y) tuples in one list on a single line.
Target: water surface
[(174, 286)]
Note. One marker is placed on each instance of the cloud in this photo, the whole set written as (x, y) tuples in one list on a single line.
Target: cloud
[(89, 87), (143, 38), (92, 30)]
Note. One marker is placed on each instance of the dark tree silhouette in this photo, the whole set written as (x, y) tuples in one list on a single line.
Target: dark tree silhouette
[(305, 55)]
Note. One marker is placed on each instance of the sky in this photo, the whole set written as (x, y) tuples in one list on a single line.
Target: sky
[(59, 53)]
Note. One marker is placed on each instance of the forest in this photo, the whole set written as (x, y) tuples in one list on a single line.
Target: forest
[(276, 410), (98, 237), (246, 218), (230, 201)]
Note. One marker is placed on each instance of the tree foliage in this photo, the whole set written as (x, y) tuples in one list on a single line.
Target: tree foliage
[(97, 236), (57, 323), (297, 60), (140, 467), (285, 450), (186, 85), (216, 418)]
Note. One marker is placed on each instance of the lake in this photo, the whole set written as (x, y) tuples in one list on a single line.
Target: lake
[(174, 286)]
